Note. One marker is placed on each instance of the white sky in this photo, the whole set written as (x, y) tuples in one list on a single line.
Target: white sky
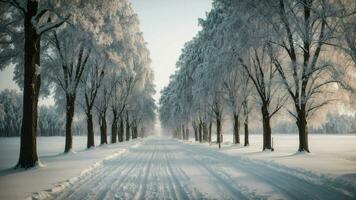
[(166, 25)]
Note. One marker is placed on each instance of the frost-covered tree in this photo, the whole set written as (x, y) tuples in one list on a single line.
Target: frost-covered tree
[(236, 87), (102, 105), (91, 83), (25, 22), (72, 34), (50, 122), (304, 27), (262, 74), (10, 113), (119, 101), (69, 62)]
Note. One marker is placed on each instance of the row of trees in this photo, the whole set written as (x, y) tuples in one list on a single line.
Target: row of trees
[(51, 121), (265, 56), (89, 55)]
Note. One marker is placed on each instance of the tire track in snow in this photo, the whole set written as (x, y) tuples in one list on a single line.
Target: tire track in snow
[(86, 187), (161, 169), (225, 185), (143, 183), (181, 193)]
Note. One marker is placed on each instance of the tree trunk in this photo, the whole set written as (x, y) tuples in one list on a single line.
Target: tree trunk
[(210, 129), (245, 106), (195, 131), (183, 132), (218, 132), (247, 142), (133, 132), (90, 128), (127, 127), (114, 130), (187, 133), (69, 120), (121, 130), (28, 150), (200, 132), (136, 131), (103, 129), (302, 130), (205, 132), (266, 128), (236, 129)]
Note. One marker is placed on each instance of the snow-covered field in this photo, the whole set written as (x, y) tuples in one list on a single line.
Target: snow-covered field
[(159, 167), (331, 154), (46, 146)]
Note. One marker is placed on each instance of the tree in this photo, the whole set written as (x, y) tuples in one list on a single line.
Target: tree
[(236, 87), (119, 100), (306, 26), (91, 84), (71, 59), (102, 106), (263, 74), (50, 123), (10, 113), (38, 18)]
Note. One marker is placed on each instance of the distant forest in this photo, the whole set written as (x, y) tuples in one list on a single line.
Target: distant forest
[(335, 123)]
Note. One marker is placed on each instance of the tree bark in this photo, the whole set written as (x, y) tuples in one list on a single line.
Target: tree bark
[(135, 131), (218, 132), (28, 150), (205, 132), (195, 131), (200, 131), (236, 129), (90, 128), (210, 129), (247, 142), (187, 133), (183, 132), (302, 130), (69, 120), (114, 130), (245, 107), (121, 130), (127, 127), (266, 128), (103, 129)]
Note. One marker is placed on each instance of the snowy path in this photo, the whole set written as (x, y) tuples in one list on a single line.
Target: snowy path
[(162, 168)]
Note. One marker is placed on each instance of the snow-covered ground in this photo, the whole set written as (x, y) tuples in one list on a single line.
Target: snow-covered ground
[(56, 167), (330, 154), (46, 146), (158, 167)]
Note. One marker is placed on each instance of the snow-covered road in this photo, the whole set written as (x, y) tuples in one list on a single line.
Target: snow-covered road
[(163, 168)]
